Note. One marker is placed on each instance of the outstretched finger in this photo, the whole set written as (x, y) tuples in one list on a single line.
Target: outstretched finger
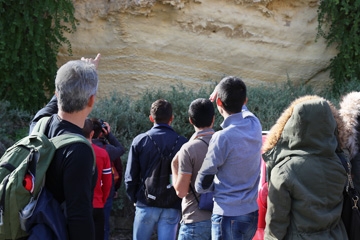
[(96, 60)]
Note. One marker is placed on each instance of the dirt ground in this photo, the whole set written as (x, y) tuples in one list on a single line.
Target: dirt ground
[(121, 235), (125, 234), (121, 221), (121, 225)]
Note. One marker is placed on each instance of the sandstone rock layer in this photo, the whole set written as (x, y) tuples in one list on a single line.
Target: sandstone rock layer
[(149, 43)]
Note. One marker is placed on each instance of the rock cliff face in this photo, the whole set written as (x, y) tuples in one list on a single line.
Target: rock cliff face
[(149, 43)]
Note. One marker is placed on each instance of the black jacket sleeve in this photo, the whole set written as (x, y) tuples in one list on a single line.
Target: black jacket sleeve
[(114, 148), (50, 109)]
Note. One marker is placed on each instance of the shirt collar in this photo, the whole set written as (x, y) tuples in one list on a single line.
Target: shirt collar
[(231, 119), (203, 132)]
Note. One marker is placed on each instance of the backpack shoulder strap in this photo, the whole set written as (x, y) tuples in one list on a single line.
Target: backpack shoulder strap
[(41, 125), (161, 154), (191, 188), (67, 139), (70, 138), (193, 191), (64, 139), (61, 140), (157, 146), (203, 141), (347, 165)]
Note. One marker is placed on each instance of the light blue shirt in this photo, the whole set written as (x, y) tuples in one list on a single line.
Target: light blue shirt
[(234, 157)]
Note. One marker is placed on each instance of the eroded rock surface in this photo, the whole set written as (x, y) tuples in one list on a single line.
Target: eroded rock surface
[(149, 43)]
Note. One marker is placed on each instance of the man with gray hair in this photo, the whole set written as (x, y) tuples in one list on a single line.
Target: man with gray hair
[(70, 176)]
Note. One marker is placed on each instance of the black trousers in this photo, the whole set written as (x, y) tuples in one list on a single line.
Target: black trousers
[(98, 216)]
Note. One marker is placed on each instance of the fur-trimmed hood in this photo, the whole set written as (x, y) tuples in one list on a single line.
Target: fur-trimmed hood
[(309, 126), (304, 172), (276, 131), (350, 113)]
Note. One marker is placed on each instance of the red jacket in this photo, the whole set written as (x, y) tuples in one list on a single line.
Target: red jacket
[(104, 180)]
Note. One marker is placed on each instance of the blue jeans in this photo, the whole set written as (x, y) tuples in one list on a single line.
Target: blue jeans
[(147, 218), (107, 212), (236, 227), (194, 231)]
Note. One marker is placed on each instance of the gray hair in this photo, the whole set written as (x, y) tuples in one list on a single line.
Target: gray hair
[(75, 82)]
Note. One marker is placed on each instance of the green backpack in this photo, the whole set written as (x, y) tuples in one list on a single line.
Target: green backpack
[(31, 155)]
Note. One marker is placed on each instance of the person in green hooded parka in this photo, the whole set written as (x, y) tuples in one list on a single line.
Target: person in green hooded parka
[(306, 177)]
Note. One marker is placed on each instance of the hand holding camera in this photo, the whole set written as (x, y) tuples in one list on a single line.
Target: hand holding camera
[(105, 127)]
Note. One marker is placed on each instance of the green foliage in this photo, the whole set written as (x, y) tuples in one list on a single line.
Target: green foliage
[(129, 117), (267, 103), (338, 23), (31, 34), (14, 125)]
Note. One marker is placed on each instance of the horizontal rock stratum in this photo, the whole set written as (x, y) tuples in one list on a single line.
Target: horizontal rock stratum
[(146, 44)]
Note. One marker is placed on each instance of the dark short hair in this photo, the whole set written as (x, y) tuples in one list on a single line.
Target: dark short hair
[(161, 111), (232, 93), (88, 127), (96, 127), (201, 112)]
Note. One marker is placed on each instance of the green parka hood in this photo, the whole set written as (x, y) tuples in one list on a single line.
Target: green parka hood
[(305, 176), (310, 125)]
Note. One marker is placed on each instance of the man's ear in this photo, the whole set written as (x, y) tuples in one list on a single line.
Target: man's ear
[(246, 100), (213, 121), (91, 101), (171, 119), (100, 134), (92, 134), (219, 102), (151, 119), (190, 121)]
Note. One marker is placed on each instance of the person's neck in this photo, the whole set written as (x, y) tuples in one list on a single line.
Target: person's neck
[(77, 118), (202, 129), (225, 114), (161, 123)]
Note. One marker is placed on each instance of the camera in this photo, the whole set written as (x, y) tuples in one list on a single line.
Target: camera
[(103, 125)]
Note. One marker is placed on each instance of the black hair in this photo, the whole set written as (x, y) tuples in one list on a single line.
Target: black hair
[(96, 127), (88, 127), (201, 112), (161, 111), (232, 93)]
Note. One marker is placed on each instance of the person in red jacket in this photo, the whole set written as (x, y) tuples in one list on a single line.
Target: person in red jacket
[(103, 184)]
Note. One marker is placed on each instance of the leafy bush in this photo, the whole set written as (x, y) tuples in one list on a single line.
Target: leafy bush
[(129, 117), (267, 103), (338, 23), (14, 125), (31, 34)]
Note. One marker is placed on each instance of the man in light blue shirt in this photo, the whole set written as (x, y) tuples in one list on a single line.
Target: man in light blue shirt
[(231, 168)]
